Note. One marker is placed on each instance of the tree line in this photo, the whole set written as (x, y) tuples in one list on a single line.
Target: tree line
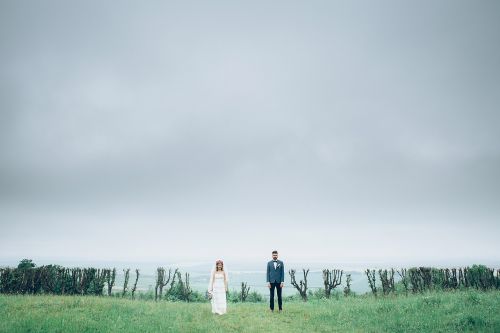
[(414, 280), (171, 284), (420, 279)]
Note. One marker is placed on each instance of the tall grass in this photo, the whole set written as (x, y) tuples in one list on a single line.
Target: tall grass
[(468, 310)]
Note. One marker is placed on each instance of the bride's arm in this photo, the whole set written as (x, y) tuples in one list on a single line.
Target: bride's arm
[(211, 282)]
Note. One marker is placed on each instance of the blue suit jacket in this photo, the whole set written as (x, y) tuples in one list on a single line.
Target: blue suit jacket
[(275, 275)]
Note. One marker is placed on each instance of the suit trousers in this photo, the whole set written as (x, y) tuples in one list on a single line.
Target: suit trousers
[(271, 298)]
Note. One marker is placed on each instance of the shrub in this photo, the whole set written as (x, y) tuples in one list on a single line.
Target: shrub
[(254, 297)]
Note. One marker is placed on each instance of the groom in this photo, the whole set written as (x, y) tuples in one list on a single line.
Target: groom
[(275, 278)]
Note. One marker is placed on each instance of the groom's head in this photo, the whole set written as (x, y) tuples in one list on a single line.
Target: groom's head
[(275, 255)]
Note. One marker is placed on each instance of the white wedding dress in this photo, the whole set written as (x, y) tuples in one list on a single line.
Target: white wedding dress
[(219, 304)]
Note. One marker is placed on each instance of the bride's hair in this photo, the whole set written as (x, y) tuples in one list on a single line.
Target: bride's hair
[(219, 262)]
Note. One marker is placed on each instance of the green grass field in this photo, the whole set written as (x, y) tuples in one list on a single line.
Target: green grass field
[(434, 312)]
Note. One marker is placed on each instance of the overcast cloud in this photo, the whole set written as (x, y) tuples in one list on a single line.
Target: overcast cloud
[(354, 130)]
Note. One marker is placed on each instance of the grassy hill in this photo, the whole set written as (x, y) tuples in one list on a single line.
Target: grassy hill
[(432, 312)]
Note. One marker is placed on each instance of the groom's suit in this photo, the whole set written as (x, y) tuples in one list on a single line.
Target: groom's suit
[(275, 276)]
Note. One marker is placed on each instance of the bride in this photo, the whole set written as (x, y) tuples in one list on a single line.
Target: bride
[(217, 287)]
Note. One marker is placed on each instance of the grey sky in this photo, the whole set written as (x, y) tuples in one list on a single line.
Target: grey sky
[(353, 130)]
